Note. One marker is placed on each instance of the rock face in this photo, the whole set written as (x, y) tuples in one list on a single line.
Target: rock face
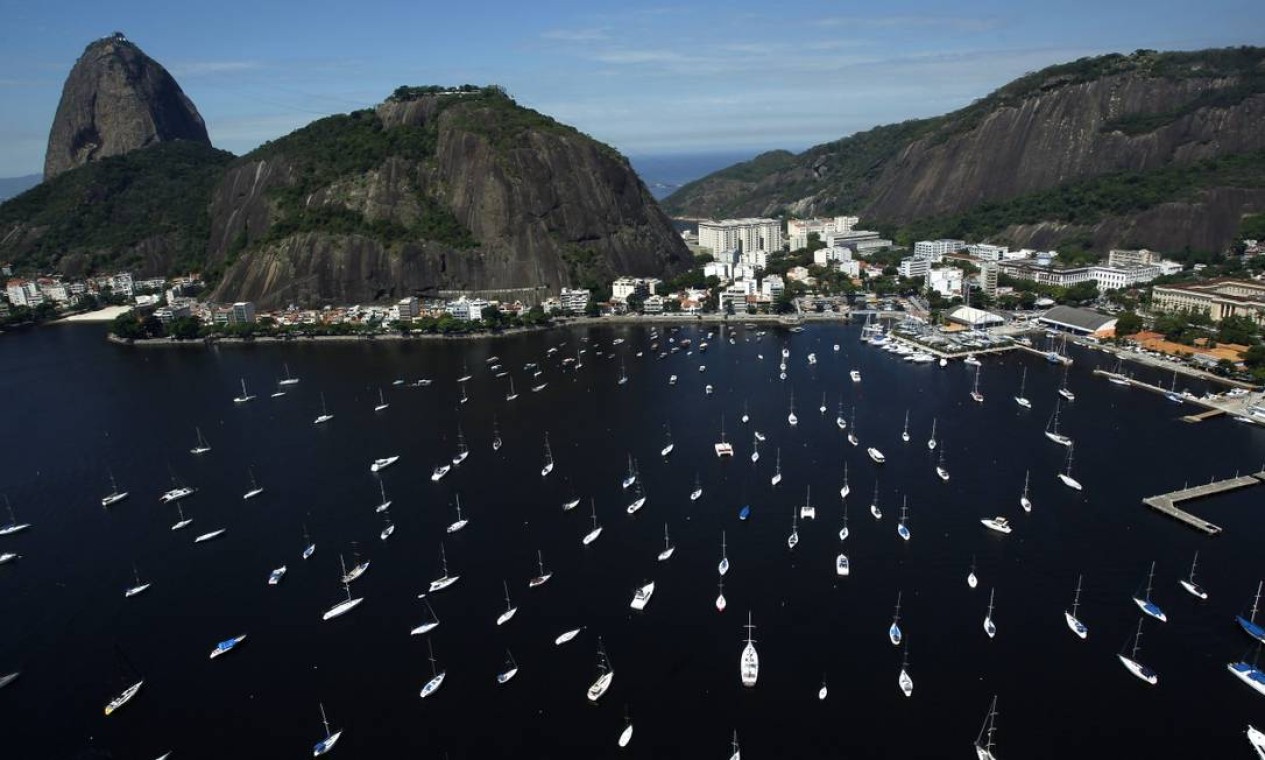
[(470, 193), (116, 100)]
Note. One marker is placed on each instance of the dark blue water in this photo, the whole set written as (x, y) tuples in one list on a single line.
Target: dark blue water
[(77, 406), (664, 174)]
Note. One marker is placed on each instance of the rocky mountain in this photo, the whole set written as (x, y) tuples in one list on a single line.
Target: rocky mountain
[(1055, 156), (434, 190), (116, 100)]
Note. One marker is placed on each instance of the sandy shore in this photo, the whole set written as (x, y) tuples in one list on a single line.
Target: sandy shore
[(100, 315)]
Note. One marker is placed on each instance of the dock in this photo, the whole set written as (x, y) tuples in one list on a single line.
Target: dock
[(1166, 503)]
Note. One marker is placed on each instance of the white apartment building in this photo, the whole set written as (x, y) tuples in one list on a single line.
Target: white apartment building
[(408, 308), (653, 305), (825, 256), (154, 283), (24, 293), (468, 309), (987, 252), (1113, 277), (937, 249), (797, 230), (914, 267), (1104, 277), (1142, 257), (772, 285), (743, 235), (947, 281), (988, 277), (743, 272), (756, 259), (718, 269), (640, 287), (850, 267), (574, 300), (861, 241), (243, 313), (121, 283)]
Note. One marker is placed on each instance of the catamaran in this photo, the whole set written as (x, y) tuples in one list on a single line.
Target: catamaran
[(276, 575), (1024, 501), (383, 463), (245, 396), (1021, 399), (1066, 475), (893, 631), (605, 673), (1131, 662), (984, 742), (138, 587), (115, 495), (1052, 428), (511, 668), (902, 529), (548, 468), (324, 416), (641, 597), (592, 535), (904, 433), (510, 609), (975, 394), (723, 567), (931, 442), (874, 510), (990, 627), (1248, 624), (202, 446), (668, 548), (437, 676), (445, 580), (544, 577), (777, 472), (460, 522), (1074, 622), (808, 511), (1189, 583), (905, 681), (227, 645), (382, 402), (791, 419), (428, 625), (749, 663), (1144, 602)]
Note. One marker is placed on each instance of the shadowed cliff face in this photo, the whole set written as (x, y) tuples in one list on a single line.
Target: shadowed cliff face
[(115, 100), (542, 206)]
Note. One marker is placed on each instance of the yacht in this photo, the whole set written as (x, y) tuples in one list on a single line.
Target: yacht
[(667, 448), (1073, 622), (510, 609), (429, 625), (1248, 624), (565, 637), (444, 580), (202, 446), (999, 524), (567, 506), (720, 596), (13, 526), (437, 676), (970, 360), (672, 380), (138, 587), (6, 557), (876, 455), (1144, 602), (856, 375), (1021, 399), (755, 451), (176, 494), (840, 422), (387, 530), (592, 535), (631, 477), (843, 532), (1052, 429), (439, 472), (324, 416), (209, 536), (905, 681), (724, 449), (904, 433), (123, 698), (793, 539), (548, 466), (990, 627), (463, 450), (357, 570), (544, 577), (460, 522), (1064, 391), (255, 489), (902, 527), (513, 394), (276, 575), (822, 408), (852, 434), (1254, 737), (183, 522), (1131, 662), (893, 631), (842, 567), (383, 463), (745, 417), (604, 674), (638, 502), (115, 495), (642, 596), (984, 742), (971, 580), (1189, 583), (242, 399), (309, 548), (668, 548), (749, 663), (777, 471), (227, 645), (1066, 475)]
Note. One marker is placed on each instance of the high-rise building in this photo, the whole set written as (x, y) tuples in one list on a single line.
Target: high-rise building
[(743, 235), (798, 230)]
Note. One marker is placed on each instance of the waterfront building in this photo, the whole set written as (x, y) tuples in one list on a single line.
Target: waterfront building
[(653, 304), (798, 230), (469, 309), (408, 308), (1218, 299), (976, 319), (574, 300), (742, 235), (169, 313), (988, 277), (639, 287), (772, 285), (24, 293), (242, 313), (1079, 321)]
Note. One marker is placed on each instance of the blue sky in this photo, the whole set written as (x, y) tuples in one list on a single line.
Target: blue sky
[(648, 78)]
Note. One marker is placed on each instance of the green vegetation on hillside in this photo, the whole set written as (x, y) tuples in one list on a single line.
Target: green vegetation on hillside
[(107, 207)]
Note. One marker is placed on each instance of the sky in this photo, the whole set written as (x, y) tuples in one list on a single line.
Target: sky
[(648, 78)]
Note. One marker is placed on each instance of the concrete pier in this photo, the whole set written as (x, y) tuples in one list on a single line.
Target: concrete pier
[(1167, 503)]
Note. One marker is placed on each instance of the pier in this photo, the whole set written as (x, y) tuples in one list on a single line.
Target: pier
[(1167, 503)]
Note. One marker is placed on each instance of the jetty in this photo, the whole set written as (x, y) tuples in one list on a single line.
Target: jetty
[(1167, 503)]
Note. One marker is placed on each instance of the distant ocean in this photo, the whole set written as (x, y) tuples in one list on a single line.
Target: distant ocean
[(664, 174)]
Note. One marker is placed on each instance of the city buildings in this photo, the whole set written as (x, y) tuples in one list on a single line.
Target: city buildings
[(742, 235), (947, 281), (937, 249), (798, 230), (242, 313), (574, 300), (1217, 298), (914, 267)]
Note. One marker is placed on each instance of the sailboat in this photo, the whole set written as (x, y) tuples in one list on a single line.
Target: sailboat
[(1024, 501), (1052, 428), (1145, 602), (852, 433), (202, 446), (463, 450), (990, 627), (1066, 475), (605, 673), (984, 742), (874, 510), (840, 422), (567, 636), (464, 398), (288, 379), (437, 676), (893, 631), (382, 402), (843, 532), (496, 435), (1249, 672), (592, 535), (460, 522), (822, 408), (793, 539), (445, 580), (513, 394), (544, 577), (845, 489), (723, 567), (428, 625), (971, 580), (128, 693), (808, 511), (326, 744), (1131, 662), (13, 526), (385, 504), (276, 575), (345, 606), (324, 416), (1257, 739), (1189, 583), (975, 394), (209, 536), (1064, 391), (255, 488), (720, 596), (791, 418), (745, 416), (511, 668), (115, 495), (823, 691), (737, 754), (749, 662), (638, 502), (931, 442), (905, 681), (548, 468), (387, 529), (510, 609), (667, 448), (1074, 622), (755, 450), (1248, 624), (698, 488), (631, 477), (1021, 399), (358, 569), (902, 529), (777, 473), (623, 374), (904, 433), (1171, 394), (245, 395), (668, 548), (183, 522), (309, 548), (138, 588), (941, 471)]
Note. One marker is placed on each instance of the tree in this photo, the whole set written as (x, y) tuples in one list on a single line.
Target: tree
[(185, 328), (591, 309), (1128, 323)]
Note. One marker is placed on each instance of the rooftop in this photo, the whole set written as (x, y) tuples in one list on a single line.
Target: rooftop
[(1080, 319)]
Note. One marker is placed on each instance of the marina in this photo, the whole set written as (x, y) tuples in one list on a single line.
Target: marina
[(1167, 503)]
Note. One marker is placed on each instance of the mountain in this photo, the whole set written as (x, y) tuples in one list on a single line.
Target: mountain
[(116, 100), (11, 186), (434, 190), (1156, 149)]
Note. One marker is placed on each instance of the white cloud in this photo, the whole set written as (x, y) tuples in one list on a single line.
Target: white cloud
[(596, 34)]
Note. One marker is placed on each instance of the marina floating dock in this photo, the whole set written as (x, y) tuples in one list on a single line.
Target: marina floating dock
[(1167, 503)]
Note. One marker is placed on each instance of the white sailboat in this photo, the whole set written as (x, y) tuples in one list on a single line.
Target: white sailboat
[(385, 504), (942, 472), (210, 536), (984, 742), (309, 548), (242, 399), (115, 495), (123, 698), (852, 433), (571, 504), (737, 754), (1064, 391), (358, 569), (324, 416), (893, 631), (902, 528), (905, 681), (904, 433), (638, 502), (698, 488), (202, 446), (13, 526), (387, 529), (845, 489), (1144, 602), (464, 398), (1131, 662), (791, 419), (1073, 622), (437, 675), (668, 548), (755, 450), (592, 535), (1021, 399), (777, 471), (496, 435), (667, 448), (183, 522), (428, 625), (567, 636), (931, 442), (842, 566), (876, 455), (631, 477), (605, 674), (843, 532), (513, 394), (460, 522), (723, 567), (749, 662), (548, 467), (1189, 584), (823, 692), (1052, 428), (138, 587), (720, 596), (641, 597), (745, 416), (345, 606), (543, 577), (326, 744), (840, 422), (382, 402), (463, 450), (276, 575), (975, 394), (822, 408), (288, 380), (511, 668), (874, 510), (1066, 475), (1024, 501), (971, 580), (990, 627), (793, 539), (623, 374), (510, 609), (444, 580), (255, 489)]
